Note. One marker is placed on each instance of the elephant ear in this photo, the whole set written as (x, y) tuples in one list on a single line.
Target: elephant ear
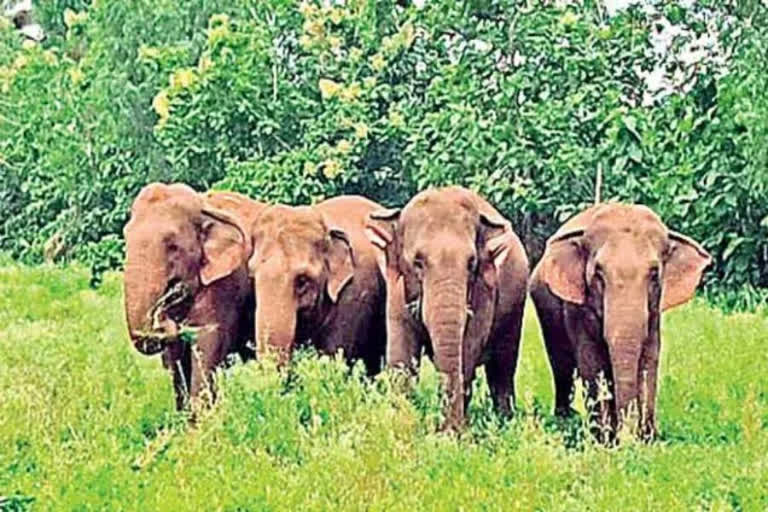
[(685, 262), (225, 245), (381, 230), (341, 263), (563, 267), (495, 240)]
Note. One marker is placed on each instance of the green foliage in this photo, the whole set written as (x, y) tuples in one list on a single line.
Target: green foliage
[(88, 423), (294, 102)]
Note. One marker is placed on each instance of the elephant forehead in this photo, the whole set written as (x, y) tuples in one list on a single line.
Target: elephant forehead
[(627, 221), (438, 212), (158, 198)]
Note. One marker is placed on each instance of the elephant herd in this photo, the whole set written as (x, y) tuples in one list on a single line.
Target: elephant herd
[(445, 276)]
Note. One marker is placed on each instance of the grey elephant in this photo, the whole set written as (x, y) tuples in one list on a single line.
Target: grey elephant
[(456, 277), (599, 290)]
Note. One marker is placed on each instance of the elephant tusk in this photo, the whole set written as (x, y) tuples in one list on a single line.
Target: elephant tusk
[(470, 312)]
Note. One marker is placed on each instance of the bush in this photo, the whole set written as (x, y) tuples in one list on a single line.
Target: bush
[(294, 102)]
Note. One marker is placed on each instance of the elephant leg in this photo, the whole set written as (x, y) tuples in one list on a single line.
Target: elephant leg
[(595, 370), (559, 348), (502, 363), (649, 365), (207, 353), (176, 361), (404, 335), (376, 346)]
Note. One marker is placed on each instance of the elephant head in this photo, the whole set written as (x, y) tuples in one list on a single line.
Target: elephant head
[(176, 245), (625, 267), (300, 266), (445, 253)]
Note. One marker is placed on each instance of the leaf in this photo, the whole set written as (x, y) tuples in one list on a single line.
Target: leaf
[(630, 123), (732, 246)]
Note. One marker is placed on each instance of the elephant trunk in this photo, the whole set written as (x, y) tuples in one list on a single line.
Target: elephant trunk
[(275, 326), (445, 316), (626, 332), (148, 326)]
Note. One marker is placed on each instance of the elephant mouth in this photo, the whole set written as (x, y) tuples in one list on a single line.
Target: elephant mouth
[(165, 319)]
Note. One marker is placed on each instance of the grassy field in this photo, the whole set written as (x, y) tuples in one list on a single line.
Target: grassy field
[(86, 423)]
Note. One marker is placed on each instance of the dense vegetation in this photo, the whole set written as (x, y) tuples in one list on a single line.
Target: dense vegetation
[(87, 424), (290, 101)]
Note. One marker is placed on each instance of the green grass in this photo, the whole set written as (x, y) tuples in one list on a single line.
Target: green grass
[(86, 423)]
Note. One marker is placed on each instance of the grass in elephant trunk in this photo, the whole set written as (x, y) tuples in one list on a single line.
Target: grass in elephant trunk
[(177, 296), (85, 422)]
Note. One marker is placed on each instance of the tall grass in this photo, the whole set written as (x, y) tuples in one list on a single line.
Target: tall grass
[(86, 423)]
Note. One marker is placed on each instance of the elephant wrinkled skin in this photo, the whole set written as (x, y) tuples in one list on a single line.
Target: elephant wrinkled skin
[(186, 268), (599, 290), (316, 279), (456, 277)]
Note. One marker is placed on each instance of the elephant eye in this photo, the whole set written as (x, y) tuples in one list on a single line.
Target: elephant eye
[(418, 262), (472, 264), (302, 282)]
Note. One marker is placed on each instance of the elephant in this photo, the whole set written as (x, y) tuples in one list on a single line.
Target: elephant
[(316, 281), (599, 290), (456, 276), (186, 268)]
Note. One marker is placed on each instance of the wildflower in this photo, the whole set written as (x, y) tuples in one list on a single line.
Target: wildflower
[(182, 78), (352, 92), (69, 17), (569, 18), (331, 168), (205, 63), (407, 34), (50, 57), (28, 44), (389, 44), (355, 54), (306, 42), (361, 130), (218, 20), (76, 75), (396, 118), (5, 23), (335, 43), (20, 62), (369, 82), (337, 16), (72, 18), (148, 53), (162, 105), (328, 88), (306, 9), (217, 33), (344, 146), (377, 62), (314, 28), (310, 169)]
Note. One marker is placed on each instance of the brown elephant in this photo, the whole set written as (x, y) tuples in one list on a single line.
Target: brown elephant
[(599, 290), (186, 267), (456, 278), (316, 279)]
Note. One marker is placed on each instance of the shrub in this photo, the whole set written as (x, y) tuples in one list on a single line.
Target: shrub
[(296, 101)]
